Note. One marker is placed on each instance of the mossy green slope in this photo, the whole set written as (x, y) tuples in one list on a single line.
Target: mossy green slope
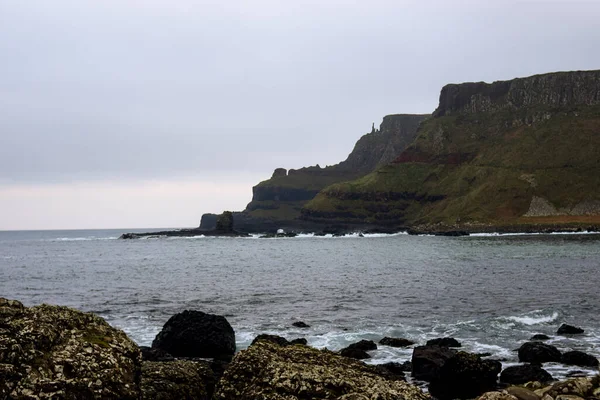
[(486, 168)]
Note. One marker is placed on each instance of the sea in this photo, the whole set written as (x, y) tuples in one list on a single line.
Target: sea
[(491, 292)]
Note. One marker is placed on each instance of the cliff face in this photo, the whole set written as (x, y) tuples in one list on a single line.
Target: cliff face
[(277, 202), (507, 153), (559, 90)]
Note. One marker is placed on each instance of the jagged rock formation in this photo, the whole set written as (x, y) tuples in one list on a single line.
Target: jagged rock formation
[(269, 371), (516, 154), (276, 203)]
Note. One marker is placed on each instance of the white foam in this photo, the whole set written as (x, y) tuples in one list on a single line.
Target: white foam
[(533, 319), (491, 234)]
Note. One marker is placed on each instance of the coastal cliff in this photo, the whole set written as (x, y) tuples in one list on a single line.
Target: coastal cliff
[(509, 153), (277, 202)]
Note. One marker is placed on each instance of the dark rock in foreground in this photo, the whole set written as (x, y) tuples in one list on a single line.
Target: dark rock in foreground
[(444, 342), (278, 340), (196, 334), (57, 352), (519, 374), (566, 329), (579, 358), (464, 376), (427, 361), (359, 350), (396, 342), (175, 380), (537, 352), (269, 372)]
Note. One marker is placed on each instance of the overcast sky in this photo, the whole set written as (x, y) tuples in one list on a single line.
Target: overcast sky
[(148, 113)]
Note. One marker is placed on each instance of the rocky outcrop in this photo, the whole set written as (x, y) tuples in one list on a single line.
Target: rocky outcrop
[(57, 352), (566, 329), (444, 342), (224, 223), (396, 342), (560, 89), (537, 352), (428, 360), (270, 372), (571, 389), (176, 380), (580, 359), (519, 374), (196, 334), (464, 376), (509, 155)]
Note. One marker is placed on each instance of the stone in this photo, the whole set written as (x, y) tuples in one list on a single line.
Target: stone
[(271, 338), (269, 372), (522, 393), (196, 334), (57, 352), (396, 342), (363, 345), (464, 376), (444, 342), (540, 336), (150, 354), (300, 341), (300, 324), (497, 396), (427, 361), (582, 387), (579, 358), (175, 380), (537, 352), (566, 329), (519, 374), (355, 353)]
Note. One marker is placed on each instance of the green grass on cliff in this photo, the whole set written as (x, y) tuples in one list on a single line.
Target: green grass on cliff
[(504, 159)]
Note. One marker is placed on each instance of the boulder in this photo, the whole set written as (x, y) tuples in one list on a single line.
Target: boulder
[(57, 352), (581, 387), (175, 380), (269, 372), (395, 367), (301, 341), (363, 345), (566, 329), (539, 336), (519, 374), (537, 352), (355, 353), (522, 393), (579, 358), (444, 342), (281, 341), (396, 342), (300, 324), (427, 360), (196, 334), (464, 376)]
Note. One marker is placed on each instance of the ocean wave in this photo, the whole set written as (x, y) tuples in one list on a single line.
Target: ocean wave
[(494, 234), (534, 319)]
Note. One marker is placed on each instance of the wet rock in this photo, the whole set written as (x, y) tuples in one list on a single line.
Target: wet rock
[(522, 393), (57, 352), (196, 334), (300, 341), (444, 342), (497, 396), (566, 329), (537, 352), (396, 342), (519, 374), (300, 324), (363, 345), (175, 380), (271, 338), (579, 358), (464, 376), (427, 361), (150, 354), (396, 368), (269, 372), (540, 336), (582, 387), (358, 354)]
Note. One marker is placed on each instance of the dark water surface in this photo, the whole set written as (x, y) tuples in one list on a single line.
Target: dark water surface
[(490, 292)]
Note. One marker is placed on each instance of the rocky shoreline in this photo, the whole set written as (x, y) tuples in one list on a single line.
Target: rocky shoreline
[(57, 352)]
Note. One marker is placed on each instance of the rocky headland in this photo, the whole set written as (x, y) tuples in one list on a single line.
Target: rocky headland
[(510, 156), (52, 352)]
